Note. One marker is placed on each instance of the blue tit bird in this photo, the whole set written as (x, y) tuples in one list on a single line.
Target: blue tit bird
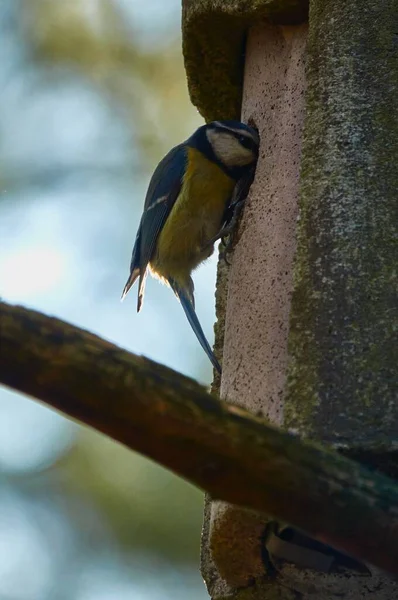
[(186, 207)]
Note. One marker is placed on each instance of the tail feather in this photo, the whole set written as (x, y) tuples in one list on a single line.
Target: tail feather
[(130, 281), (137, 272), (141, 289), (188, 306)]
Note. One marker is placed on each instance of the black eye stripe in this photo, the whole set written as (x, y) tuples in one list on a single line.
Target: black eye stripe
[(245, 141)]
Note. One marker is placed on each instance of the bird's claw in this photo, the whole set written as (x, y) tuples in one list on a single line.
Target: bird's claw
[(224, 255), (224, 233)]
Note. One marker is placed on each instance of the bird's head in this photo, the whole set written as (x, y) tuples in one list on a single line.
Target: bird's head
[(232, 143)]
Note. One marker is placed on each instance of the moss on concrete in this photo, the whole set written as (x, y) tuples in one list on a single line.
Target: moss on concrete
[(260, 589), (343, 376), (214, 33)]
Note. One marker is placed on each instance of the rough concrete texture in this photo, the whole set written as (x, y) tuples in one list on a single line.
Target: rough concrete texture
[(214, 34), (310, 586), (237, 563), (343, 376), (346, 585), (342, 382), (260, 282)]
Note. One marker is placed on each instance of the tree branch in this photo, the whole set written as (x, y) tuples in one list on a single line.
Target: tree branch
[(226, 451)]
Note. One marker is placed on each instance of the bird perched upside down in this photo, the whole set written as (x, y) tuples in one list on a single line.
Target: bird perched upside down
[(187, 207)]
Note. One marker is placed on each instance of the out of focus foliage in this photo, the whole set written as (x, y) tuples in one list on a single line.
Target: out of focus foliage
[(144, 84), (93, 94)]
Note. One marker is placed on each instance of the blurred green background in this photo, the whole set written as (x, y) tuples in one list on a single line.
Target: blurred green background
[(93, 95)]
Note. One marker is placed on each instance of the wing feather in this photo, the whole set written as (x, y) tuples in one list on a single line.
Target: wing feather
[(163, 190)]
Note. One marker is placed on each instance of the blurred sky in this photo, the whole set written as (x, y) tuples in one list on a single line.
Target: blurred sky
[(93, 95)]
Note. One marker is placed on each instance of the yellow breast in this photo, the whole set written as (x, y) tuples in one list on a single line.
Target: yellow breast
[(195, 218)]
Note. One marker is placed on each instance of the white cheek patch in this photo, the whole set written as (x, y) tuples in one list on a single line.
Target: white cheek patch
[(228, 149)]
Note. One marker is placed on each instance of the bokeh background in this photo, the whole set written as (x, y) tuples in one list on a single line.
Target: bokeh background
[(93, 94)]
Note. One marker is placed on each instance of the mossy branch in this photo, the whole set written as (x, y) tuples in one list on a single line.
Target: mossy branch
[(226, 451)]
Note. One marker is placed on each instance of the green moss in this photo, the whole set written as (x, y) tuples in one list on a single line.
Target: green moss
[(214, 33), (261, 588), (344, 357)]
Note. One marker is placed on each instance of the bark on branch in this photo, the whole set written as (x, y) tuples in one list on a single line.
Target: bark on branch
[(226, 451)]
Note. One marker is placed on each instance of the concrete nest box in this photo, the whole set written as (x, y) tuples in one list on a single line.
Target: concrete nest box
[(308, 311)]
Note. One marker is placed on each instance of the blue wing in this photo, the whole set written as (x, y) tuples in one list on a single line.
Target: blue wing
[(163, 190)]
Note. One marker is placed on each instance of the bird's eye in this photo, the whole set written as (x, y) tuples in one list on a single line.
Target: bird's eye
[(242, 139)]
